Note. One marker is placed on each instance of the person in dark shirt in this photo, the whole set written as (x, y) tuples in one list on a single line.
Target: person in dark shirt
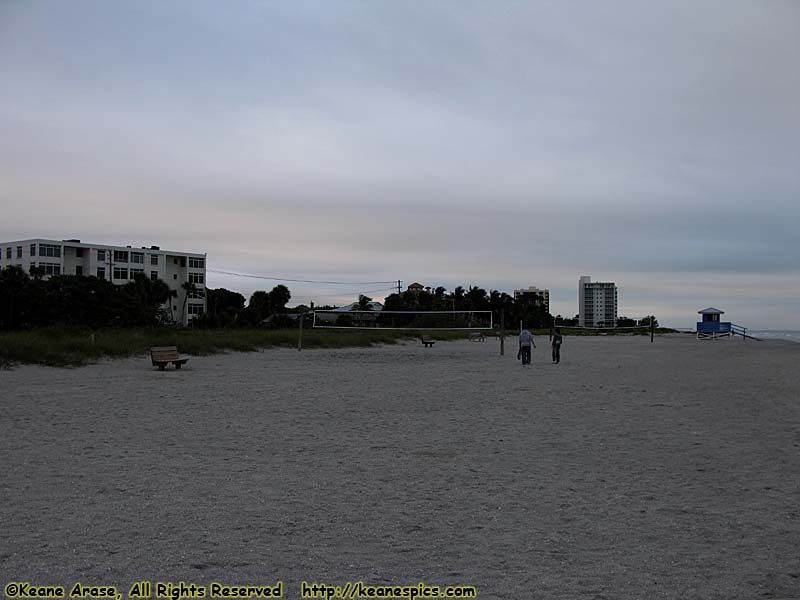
[(557, 339)]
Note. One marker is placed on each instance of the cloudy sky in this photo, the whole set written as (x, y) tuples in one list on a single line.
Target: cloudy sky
[(499, 144)]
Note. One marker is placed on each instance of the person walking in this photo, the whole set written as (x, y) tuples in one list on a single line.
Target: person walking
[(557, 339), (525, 343)]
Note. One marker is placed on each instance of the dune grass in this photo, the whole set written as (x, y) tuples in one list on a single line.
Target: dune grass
[(72, 347)]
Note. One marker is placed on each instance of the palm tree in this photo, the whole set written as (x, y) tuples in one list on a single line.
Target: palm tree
[(188, 287), (172, 294), (364, 302)]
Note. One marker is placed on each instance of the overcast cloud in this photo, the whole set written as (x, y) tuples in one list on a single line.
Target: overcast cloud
[(500, 144)]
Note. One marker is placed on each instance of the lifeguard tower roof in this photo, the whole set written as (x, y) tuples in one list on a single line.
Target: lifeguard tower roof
[(711, 311)]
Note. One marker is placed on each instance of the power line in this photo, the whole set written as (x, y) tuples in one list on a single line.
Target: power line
[(298, 280), (340, 294)]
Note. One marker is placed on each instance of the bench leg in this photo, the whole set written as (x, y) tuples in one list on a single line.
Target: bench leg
[(162, 367), (178, 366)]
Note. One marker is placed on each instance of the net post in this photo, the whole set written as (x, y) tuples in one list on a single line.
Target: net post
[(652, 328), (300, 334), (502, 333)]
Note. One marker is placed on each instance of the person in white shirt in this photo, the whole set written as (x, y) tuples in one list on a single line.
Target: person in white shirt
[(525, 343)]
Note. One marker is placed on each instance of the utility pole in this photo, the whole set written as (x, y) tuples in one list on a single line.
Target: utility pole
[(398, 287)]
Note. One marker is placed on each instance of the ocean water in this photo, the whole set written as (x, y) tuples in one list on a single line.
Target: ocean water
[(776, 334)]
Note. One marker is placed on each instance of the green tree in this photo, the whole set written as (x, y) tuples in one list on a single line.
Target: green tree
[(425, 301), (222, 307), (13, 285), (143, 298), (260, 304), (531, 312), (278, 298), (476, 299), (647, 320)]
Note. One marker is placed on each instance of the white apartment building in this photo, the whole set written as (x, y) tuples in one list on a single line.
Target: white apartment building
[(533, 292), (118, 264), (597, 303)]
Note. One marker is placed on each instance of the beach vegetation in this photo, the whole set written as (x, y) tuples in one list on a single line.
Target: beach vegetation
[(64, 346)]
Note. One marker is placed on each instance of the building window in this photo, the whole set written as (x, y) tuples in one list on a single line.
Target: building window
[(197, 263), (196, 278), (119, 272), (52, 250), (154, 259), (79, 252), (50, 268), (101, 272), (8, 253), (78, 270), (195, 309), (19, 251), (154, 275), (197, 294), (101, 255), (137, 258), (33, 266), (121, 256), (33, 251), (135, 272)]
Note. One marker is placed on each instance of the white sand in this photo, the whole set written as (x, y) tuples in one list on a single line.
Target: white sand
[(630, 470)]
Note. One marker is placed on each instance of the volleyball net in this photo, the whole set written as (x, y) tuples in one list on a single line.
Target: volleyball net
[(403, 319), (578, 330)]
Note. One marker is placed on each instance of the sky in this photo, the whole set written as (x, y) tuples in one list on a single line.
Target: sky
[(498, 144)]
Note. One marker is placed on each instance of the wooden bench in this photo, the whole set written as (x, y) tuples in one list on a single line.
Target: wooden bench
[(163, 355), (427, 341), (476, 336)]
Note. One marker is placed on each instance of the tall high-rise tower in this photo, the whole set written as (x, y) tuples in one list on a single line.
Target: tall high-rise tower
[(597, 303)]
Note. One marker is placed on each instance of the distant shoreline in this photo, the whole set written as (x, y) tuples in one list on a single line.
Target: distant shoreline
[(789, 335)]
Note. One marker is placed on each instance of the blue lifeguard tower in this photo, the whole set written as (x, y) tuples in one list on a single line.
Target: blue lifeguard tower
[(711, 328)]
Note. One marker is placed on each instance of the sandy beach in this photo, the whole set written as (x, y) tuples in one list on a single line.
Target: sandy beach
[(630, 470)]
